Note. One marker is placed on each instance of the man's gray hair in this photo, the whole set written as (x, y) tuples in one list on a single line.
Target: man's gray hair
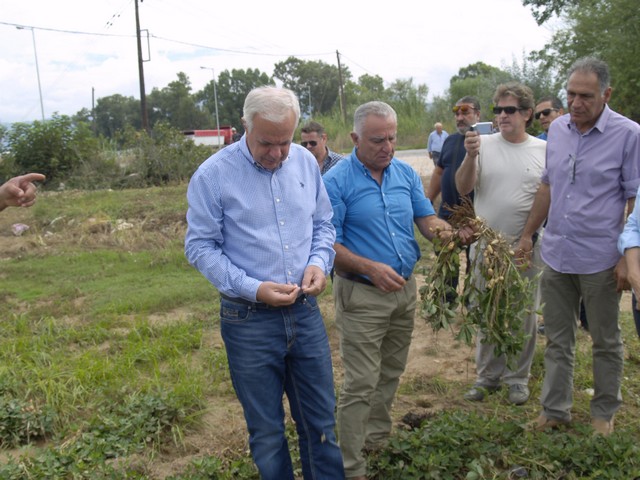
[(472, 100), (593, 65), (379, 109), (271, 103)]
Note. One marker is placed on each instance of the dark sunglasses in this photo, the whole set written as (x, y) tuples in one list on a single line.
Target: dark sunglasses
[(313, 143), (544, 112), (507, 110), (464, 109)]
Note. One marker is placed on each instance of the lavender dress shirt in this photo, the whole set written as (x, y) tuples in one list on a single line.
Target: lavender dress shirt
[(591, 176)]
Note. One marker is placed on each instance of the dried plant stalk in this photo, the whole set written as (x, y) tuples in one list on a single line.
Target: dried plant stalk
[(496, 298)]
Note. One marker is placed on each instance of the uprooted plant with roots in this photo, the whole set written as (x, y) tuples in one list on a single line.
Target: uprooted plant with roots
[(495, 298)]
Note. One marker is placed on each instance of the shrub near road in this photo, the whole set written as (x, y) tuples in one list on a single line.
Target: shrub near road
[(112, 366)]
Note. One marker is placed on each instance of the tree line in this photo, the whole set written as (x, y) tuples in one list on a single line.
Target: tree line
[(108, 146)]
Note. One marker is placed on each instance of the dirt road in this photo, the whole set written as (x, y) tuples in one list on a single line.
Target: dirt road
[(418, 159)]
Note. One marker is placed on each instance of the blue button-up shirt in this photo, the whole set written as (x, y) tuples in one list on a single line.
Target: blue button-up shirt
[(247, 224), (376, 221), (590, 175), (630, 236), (436, 141)]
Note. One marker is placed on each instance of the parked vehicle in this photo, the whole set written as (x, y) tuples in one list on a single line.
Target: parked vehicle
[(213, 137)]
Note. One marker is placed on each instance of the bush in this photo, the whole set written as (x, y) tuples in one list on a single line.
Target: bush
[(167, 157), (54, 148)]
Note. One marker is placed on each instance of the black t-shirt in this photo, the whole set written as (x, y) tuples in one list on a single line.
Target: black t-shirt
[(451, 158)]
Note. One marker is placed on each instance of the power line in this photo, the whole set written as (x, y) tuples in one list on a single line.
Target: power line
[(208, 47), (241, 51), (72, 32)]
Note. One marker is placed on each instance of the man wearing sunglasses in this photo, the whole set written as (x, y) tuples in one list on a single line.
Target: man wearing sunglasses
[(503, 170), (443, 181), (592, 174), (547, 110), (314, 139)]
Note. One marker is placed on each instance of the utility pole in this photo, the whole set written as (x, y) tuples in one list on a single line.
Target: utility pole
[(215, 101), (35, 54), (143, 97), (94, 126), (343, 104)]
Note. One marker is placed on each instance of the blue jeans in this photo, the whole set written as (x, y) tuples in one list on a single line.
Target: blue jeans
[(272, 351)]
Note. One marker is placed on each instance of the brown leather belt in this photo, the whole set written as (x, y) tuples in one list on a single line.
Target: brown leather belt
[(355, 278)]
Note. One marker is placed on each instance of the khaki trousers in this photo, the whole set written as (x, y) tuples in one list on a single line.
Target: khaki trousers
[(493, 370), (375, 333), (561, 294)]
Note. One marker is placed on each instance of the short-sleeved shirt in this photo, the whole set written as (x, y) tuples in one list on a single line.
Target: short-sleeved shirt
[(451, 157), (508, 179)]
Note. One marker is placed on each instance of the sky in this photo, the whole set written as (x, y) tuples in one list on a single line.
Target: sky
[(86, 49)]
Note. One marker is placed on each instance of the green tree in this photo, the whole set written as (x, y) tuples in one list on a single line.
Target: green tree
[(543, 10), (231, 90), (316, 83), (479, 80), (533, 74), (408, 99), (54, 147), (115, 112), (175, 106), (607, 29), (366, 89)]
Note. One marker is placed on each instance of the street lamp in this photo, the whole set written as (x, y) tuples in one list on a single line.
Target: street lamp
[(215, 100), (35, 53)]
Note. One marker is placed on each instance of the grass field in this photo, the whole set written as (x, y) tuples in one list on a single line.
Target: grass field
[(112, 366)]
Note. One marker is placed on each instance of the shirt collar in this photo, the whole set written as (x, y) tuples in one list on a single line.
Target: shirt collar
[(600, 124), (244, 148)]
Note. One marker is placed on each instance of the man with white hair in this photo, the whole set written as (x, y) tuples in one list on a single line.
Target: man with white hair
[(259, 229)]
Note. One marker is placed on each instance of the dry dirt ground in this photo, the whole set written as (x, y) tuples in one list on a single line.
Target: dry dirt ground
[(438, 370)]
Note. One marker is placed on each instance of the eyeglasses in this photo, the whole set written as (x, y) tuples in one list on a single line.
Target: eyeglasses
[(464, 109), (313, 143), (546, 112), (507, 110)]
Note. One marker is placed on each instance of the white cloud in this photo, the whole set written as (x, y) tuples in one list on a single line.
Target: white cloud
[(428, 41)]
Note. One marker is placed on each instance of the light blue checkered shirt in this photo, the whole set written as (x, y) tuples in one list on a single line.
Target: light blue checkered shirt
[(247, 224)]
